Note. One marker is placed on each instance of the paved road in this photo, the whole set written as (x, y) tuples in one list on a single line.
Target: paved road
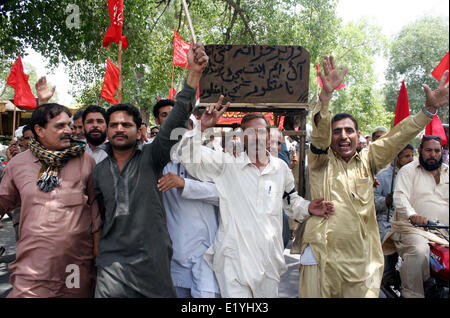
[(288, 285), (289, 280)]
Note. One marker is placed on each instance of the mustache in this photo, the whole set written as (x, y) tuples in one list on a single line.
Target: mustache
[(95, 130), (120, 135), (65, 136)]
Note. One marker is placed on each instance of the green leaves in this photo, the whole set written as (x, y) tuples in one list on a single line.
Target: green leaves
[(149, 24), (415, 51)]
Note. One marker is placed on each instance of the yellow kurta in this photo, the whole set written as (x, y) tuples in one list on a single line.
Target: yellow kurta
[(347, 246)]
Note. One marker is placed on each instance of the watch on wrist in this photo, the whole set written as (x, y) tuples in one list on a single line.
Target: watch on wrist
[(426, 112)]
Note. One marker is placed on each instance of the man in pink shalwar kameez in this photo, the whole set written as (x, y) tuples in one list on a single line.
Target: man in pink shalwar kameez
[(59, 221)]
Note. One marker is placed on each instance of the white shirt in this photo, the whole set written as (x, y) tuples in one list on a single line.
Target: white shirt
[(192, 221), (98, 154), (251, 202), (416, 192)]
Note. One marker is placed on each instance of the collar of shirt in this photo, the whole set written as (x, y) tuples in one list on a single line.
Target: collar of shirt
[(89, 149), (267, 169)]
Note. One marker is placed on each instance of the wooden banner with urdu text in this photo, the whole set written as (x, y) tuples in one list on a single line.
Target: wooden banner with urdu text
[(256, 74)]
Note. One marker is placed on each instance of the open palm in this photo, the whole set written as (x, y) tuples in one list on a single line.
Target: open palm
[(438, 97), (319, 207), (332, 77), (43, 93)]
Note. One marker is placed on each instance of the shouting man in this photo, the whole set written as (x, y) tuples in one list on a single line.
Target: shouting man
[(346, 259)]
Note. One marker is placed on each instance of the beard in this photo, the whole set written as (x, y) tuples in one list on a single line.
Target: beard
[(430, 166), (96, 141)]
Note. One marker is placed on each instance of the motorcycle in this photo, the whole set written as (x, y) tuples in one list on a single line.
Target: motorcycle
[(437, 286)]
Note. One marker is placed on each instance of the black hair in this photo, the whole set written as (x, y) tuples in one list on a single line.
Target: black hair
[(251, 116), (408, 146), (130, 109), (93, 109), (25, 128), (78, 115), (429, 137), (162, 103), (342, 116), (157, 127), (43, 113)]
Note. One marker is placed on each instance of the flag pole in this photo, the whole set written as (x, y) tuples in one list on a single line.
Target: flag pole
[(14, 122), (119, 96), (173, 69), (188, 17)]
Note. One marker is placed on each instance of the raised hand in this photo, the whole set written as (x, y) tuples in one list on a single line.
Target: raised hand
[(212, 114), (197, 58), (12, 150), (331, 79), (439, 97), (319, 207), (43, 93)]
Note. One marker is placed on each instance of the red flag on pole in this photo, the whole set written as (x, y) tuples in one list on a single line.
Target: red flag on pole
[(114, 33), (172, 93), (402, 110), (319, 80), (180, 51), (17, 79), (435, 128), (441, 68), (110, 82)]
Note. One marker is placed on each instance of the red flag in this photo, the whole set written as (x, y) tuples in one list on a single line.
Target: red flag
[(172, 93), (441, 68), (435, 128), (319, 80), (110, 82), (114, 33), (180, 51), (18, 80), (402, 110)]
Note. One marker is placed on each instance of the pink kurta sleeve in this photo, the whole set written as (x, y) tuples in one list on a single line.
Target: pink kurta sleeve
[(9, 195)]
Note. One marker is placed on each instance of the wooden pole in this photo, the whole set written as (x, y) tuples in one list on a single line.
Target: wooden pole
[(14, 122), (119, 96), (171, 84), (392, 189), (188, 17)]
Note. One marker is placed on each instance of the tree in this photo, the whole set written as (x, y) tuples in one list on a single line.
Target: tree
[(358, 44), (147, 63), (414, 53)]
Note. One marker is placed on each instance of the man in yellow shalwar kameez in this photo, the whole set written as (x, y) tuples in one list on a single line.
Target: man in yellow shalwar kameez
[(342, 255)]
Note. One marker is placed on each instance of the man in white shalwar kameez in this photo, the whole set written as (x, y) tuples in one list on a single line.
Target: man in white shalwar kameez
[(247, 254)]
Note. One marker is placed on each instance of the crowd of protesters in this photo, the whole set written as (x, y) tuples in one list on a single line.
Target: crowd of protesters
[(105, 206)]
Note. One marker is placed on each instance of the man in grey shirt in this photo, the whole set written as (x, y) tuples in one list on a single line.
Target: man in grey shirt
[(135, 247)]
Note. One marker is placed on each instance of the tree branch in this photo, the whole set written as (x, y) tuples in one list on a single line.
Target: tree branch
[(165, 8), (241, 11), (233, 20)]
